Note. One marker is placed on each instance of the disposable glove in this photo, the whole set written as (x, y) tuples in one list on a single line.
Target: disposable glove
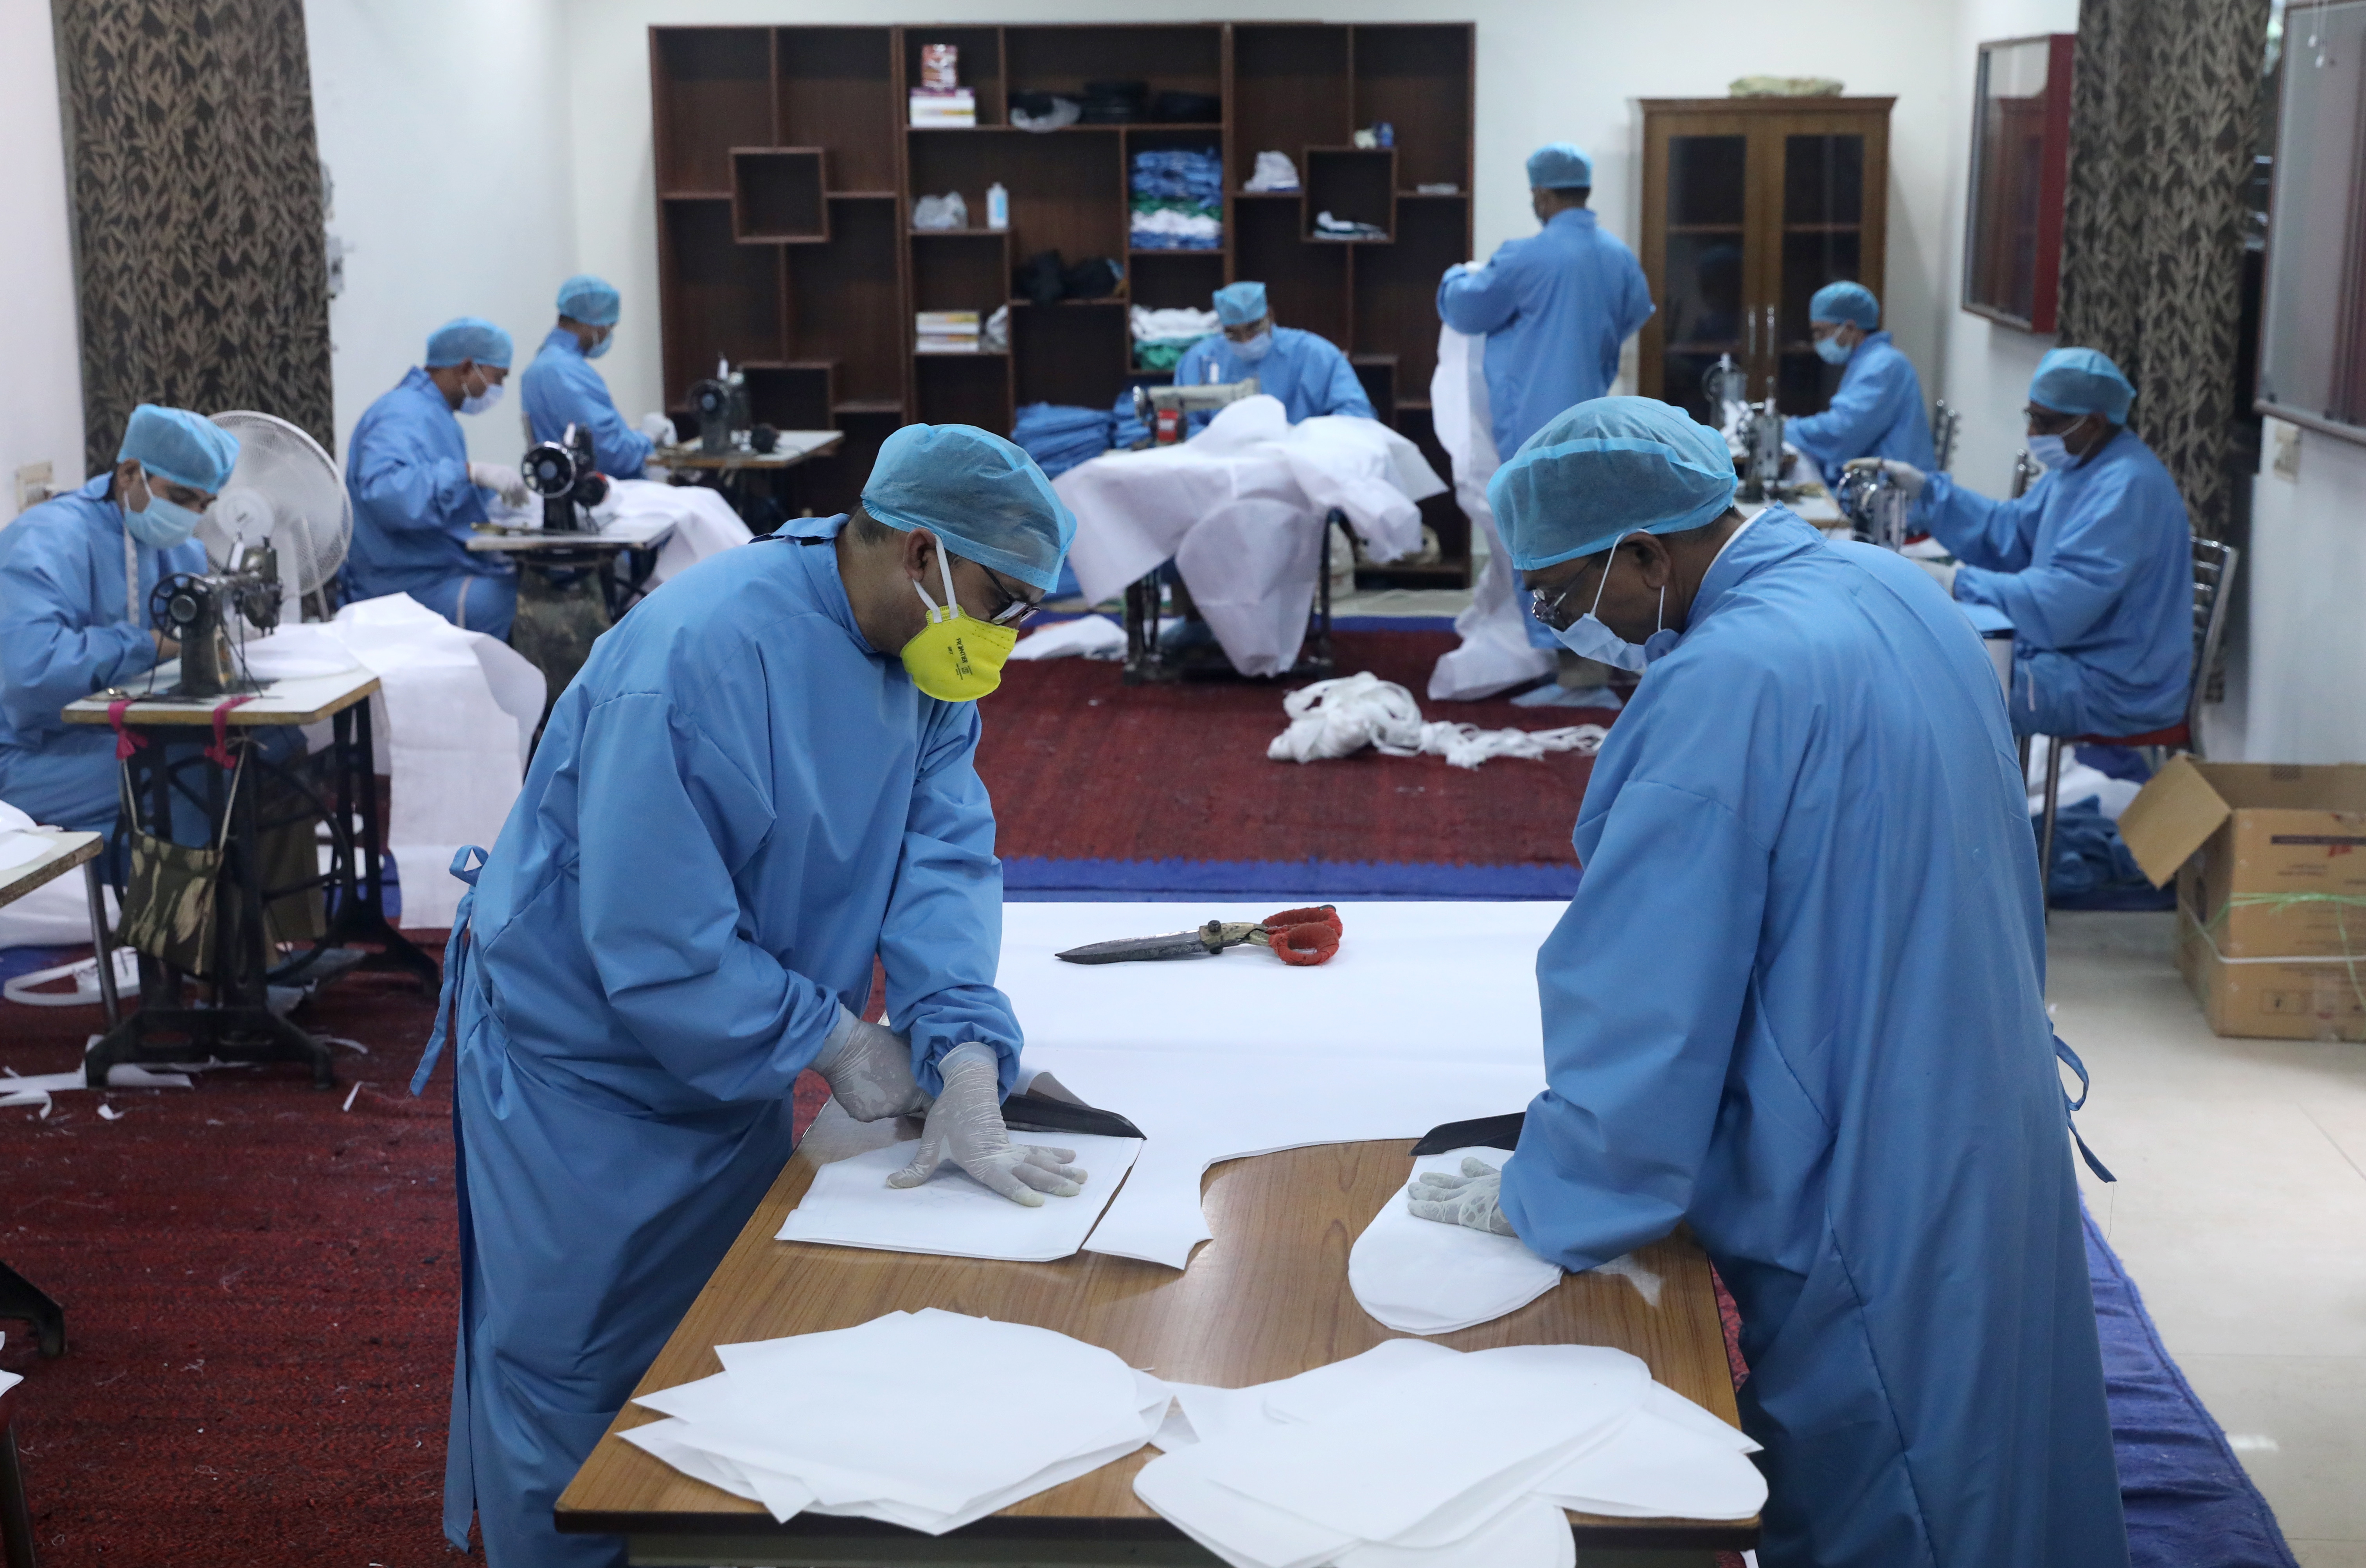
[(1905, 476), (1472, 1199), (658, 429), (1943, 571), (965, 1127), (501, 479), (869, 1069)]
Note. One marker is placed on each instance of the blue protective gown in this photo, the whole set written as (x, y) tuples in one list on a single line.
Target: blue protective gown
[(1876, 411), (735, 806), (1798, 1005), (2094, 566), (66, 631), (407, 470), (561, 389), (1555, 307), (1307, 372)]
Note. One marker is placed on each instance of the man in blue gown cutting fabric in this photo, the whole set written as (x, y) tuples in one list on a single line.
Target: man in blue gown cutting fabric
[(1797, 1004), (762, 778)]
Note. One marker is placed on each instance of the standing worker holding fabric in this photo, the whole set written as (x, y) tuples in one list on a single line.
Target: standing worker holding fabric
[(1797, 1004), (764, 777), (1307, 372), (2093, 565), (75, 575), (1876, 411), (416, 495), (560, 388)]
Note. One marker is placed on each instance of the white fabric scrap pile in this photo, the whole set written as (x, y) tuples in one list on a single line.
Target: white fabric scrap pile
[(1413, 1455), (1239, 509), (923, 1430), (1339, 718)]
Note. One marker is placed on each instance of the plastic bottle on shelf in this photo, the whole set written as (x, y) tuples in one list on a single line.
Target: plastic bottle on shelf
[(997, 207)]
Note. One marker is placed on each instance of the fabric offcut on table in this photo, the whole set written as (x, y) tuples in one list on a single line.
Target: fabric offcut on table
[(1341, 716), (1059, 437), (951, 1214), (1178, 200), (1421, 1276), (920, 1434)]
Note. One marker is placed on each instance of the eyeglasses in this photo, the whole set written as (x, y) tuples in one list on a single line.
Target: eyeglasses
[(2048, 421), (1014, 603), (1546, 602)]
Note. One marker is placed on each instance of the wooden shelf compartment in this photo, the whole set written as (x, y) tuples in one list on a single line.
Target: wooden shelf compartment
[(1291, 90), (961, 271), (964, 389), (1307, 285), (836, 87), (718, 298), (1184, 57), (1075, 358), (1396, 288), (1171, 279), (846, 300), (712, 92), (1419, 78), (1067, 194), (1352, 184), (792, 396), (776, 195), (979, 68)]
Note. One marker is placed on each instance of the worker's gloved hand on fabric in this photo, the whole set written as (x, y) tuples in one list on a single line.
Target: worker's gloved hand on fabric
[(965, 1127), (659, 429), (501, 479), (1472, 1199), (1944, 571), (869, 1069), (1905, 476)]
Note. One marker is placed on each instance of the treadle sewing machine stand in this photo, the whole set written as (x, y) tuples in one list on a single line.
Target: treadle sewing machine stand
[(1147, 663)]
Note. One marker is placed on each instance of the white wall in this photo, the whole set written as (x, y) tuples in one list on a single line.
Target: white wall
[(445, 124), (2296, 689), (41, 375), (1546, 72)]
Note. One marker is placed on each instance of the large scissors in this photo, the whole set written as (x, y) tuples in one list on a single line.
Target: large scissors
[(1296, 936)]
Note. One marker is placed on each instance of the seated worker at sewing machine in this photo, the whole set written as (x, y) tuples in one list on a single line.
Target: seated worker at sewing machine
[(1876, 411), (1308, 372), (560, 388), (2093, 565), (75, 575), (417, 496), (762, 777)]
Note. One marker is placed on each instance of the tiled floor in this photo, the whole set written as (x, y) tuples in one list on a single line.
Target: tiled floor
[(2240, 1212)]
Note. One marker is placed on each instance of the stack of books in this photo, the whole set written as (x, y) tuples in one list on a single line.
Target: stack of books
[(947, 331), (956, 106)]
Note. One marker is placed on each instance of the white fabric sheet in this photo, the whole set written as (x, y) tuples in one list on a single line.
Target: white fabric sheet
[(952, 1214), (1668, 1459), (704, 523), (1239, 509), (1427, 1014), (55, 914), (1494, 653), (1531, 1533), (1421, 1276), (1095, 637)]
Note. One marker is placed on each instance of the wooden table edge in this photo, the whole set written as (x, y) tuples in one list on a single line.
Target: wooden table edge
[(195, 711), (20, 881)]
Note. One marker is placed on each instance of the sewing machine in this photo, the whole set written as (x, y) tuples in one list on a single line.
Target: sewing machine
[(195, 610), (1166, 410)]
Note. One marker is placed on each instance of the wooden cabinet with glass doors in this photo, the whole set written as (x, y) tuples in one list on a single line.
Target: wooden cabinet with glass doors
[(1749, 206)]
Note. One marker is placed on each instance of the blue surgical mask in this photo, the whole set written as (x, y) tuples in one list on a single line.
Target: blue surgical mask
[(482, 400), (597, 349), (1588, 638), (1256, 348), (2050, 451), (1831, 351), (162, 525)]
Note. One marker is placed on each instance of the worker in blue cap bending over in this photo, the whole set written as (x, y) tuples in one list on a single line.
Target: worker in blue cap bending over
[(417, 497), (75, 576), (560, 388), (2095, 566), (1797, 1004), (1876, 411), (763, 777), (1307, 372)]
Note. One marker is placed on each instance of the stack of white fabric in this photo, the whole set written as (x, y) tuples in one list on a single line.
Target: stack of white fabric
[(909, 1418), (1416, 1456), (704, 523)]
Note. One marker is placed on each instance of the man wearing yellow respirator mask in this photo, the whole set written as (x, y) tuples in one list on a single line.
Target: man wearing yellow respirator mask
[(762, 777)]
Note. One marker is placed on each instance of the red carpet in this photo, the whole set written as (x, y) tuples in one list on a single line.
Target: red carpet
[(1083, 767)]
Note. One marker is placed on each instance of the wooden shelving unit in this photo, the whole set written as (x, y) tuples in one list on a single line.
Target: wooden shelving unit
[(786, 174)]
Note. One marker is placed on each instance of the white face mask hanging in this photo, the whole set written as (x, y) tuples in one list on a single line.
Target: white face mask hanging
[(1589, 637)]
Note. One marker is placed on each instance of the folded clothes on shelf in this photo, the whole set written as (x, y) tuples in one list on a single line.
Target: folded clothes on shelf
[(1178, 199), (1329, 228), (1274, 172)]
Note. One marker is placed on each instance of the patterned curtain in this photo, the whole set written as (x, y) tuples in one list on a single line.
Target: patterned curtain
[(2162, 117), (198, 211)]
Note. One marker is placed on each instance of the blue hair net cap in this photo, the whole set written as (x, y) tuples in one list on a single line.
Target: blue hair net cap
[(1560, 166), (2080, 381), (173, 443), (982, 497), (1238, 304), (468, 337), (1850, 303), (1603, 470), (592, 300)]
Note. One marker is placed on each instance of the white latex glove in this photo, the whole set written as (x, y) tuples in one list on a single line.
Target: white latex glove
[(1905, 476), (501, 479), (869, 1069), (1944, 571), (1472, 1199), (965, 1127), (659, 429)]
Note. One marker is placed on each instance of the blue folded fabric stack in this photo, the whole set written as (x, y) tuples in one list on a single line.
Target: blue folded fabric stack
[(1178, 201), (1126, 429), (1059, 438)]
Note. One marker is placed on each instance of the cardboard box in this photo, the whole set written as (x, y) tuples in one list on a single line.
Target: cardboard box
[(2271, 866)]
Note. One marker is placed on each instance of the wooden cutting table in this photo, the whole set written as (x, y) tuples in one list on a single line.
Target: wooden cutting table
[(1267, 1298)]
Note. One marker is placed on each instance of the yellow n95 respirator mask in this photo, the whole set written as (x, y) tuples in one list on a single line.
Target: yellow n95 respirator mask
[(957, 658)]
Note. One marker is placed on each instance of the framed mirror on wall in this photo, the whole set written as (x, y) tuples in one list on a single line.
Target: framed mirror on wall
[(2021, 160), (2313, 329)]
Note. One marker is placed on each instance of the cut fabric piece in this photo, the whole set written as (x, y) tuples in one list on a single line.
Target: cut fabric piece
[(1341, 716), (1668, 1459), (1421, 1276), (1498, 652), (951, 1214)]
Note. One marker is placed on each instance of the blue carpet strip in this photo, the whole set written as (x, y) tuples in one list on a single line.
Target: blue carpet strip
[(1033, 879)]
